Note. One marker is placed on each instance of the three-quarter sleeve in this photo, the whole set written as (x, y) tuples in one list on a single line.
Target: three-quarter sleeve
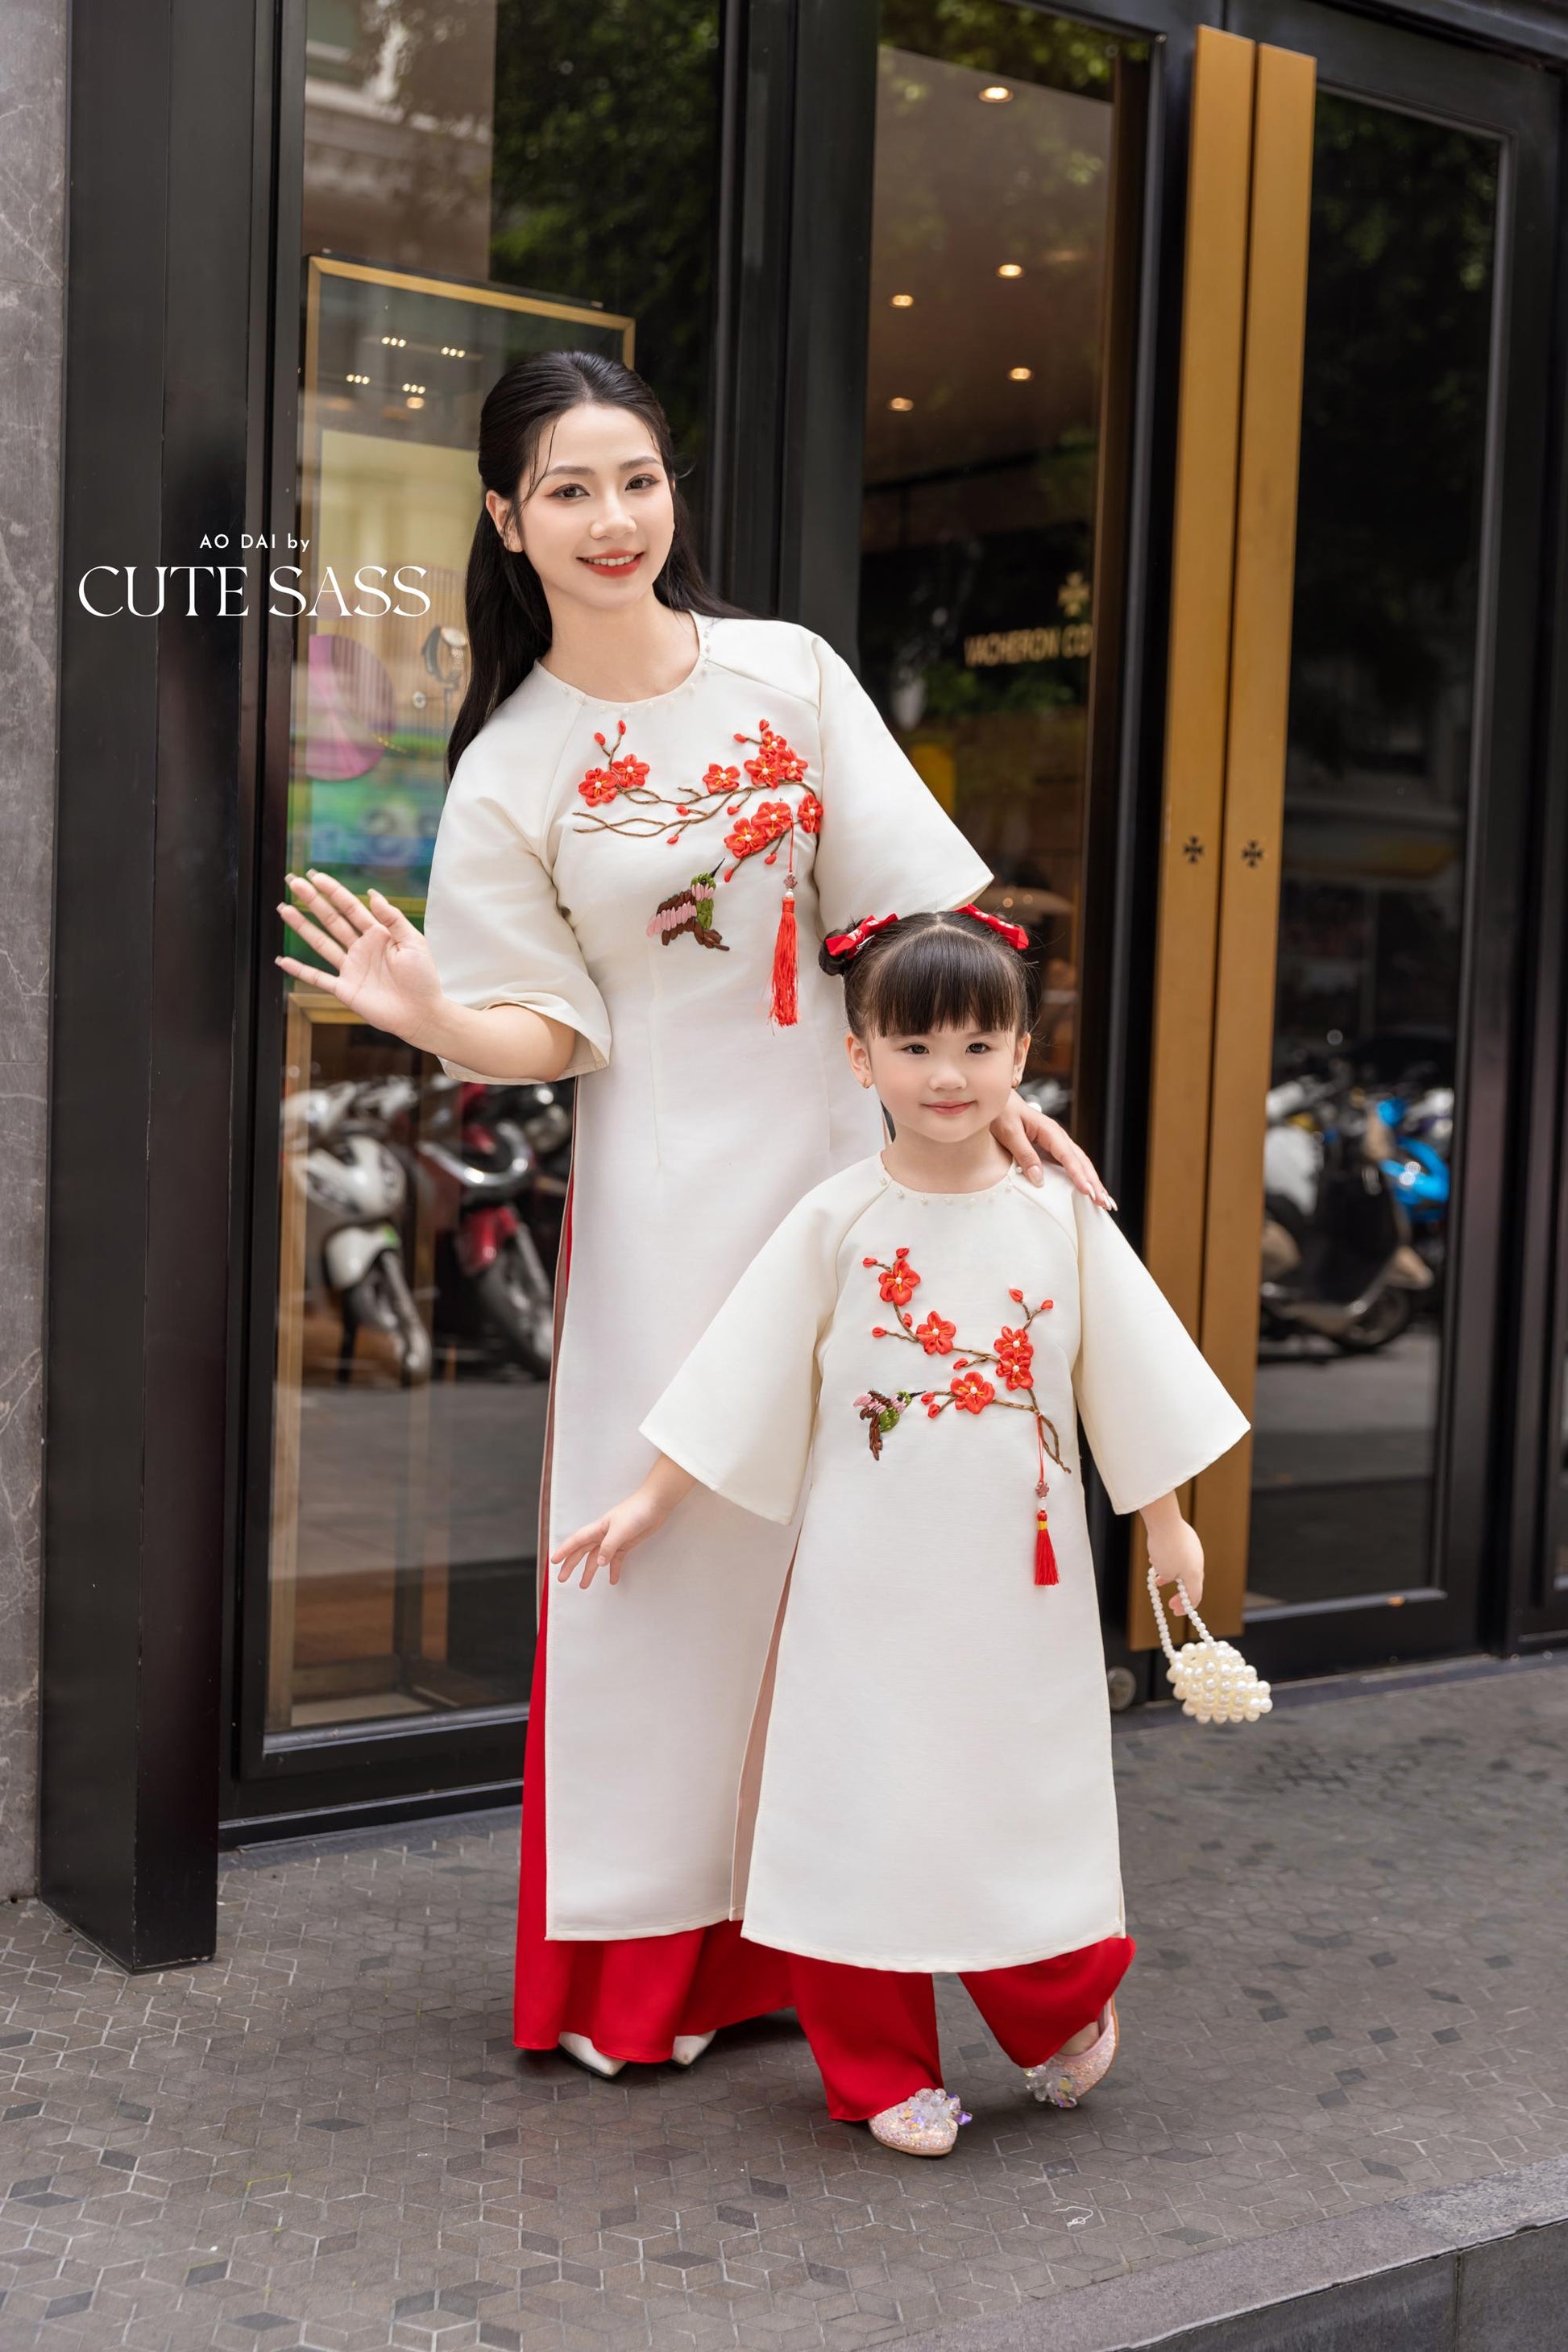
[(887, 847), (739, 1413), (1154, 1412), (495, 929)]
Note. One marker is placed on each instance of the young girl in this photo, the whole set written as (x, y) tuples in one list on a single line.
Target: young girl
[(932, 1784)]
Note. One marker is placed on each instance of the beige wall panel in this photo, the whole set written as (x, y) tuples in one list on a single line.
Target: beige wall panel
[(1209, 429), (1255, 791)]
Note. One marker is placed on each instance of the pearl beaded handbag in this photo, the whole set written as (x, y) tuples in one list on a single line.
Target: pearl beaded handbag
[(1212, 1679)]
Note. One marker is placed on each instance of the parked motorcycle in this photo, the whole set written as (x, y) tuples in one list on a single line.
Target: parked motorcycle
[(355, 1190), (498, 1155), (1337, 1259)]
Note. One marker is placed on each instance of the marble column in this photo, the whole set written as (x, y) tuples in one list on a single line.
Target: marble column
[(32, 209)]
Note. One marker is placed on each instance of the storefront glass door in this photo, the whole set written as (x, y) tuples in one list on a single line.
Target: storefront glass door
[(1359, 978), (1008, 166), (1358, 1167), (504, 177)]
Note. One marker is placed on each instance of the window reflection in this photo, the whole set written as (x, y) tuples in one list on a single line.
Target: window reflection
[(482, 178), (986, 385), (1358, 1163)]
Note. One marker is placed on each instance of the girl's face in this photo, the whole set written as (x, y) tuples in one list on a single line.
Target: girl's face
[(595, 514), (947, 1085)]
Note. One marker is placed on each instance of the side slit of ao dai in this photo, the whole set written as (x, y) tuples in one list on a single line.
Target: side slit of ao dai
[(627, 871)]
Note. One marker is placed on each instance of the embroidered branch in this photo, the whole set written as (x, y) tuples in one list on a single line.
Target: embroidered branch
[(642, 813), (1010, 1358)]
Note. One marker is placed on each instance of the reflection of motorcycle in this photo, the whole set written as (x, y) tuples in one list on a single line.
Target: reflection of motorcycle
[(495, 1174), (1413, 1152), (354, 1189), (1337, 1259)]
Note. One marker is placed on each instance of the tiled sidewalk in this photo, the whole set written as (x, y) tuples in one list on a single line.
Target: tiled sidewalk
[(1350, 1987)]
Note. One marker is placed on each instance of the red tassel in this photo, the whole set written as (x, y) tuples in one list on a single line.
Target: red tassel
[(1044, 1554), (786, 1004)]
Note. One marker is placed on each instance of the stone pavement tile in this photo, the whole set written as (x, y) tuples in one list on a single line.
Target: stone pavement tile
[(326, 2140)]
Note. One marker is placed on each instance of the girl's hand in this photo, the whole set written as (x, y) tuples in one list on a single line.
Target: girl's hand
[(1021, 1127), (605, 1542), (381, 967), (1176, 1553)]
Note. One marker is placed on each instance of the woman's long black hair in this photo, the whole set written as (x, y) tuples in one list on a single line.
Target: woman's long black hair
[(507, 616)]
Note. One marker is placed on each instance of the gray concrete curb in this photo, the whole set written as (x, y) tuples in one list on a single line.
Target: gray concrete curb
[(1480, 2268)]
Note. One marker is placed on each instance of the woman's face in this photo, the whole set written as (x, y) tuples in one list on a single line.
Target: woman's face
[(596, 513)]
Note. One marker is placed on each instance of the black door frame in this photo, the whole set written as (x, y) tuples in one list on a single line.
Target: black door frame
[(173, 428)]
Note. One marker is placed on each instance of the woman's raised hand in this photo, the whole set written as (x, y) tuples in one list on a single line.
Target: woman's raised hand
[(381, 967), (1025, 1132)]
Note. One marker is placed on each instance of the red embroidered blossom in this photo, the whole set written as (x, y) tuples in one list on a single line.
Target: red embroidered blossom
[(1014, 1353), (935, 1333), (622, 775), (971, 1393), (716, 779), (763, 827), (809, 816), (899, 1281), (777, 762)]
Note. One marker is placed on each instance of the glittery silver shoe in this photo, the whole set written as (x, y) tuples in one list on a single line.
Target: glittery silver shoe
[(925, 2124), (1063, 2081)]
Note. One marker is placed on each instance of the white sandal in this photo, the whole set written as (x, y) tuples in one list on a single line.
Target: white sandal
[(687, 2048)]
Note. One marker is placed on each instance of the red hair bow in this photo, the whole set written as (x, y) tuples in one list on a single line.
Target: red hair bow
[(1013, 933), (848, 944)]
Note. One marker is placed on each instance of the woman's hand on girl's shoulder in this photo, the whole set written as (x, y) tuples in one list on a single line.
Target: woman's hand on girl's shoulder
[(1025, 1133)]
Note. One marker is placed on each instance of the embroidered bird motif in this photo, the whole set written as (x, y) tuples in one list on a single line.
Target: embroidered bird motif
[(880, 1413), (691, 910)]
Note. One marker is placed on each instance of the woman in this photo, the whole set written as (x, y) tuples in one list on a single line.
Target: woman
[(658, 809)]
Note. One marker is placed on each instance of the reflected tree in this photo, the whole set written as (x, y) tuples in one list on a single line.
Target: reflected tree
[(1394, 437)]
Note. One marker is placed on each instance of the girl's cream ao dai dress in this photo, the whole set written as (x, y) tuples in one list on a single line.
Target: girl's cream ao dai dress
[(935, 1787), (625, 870)]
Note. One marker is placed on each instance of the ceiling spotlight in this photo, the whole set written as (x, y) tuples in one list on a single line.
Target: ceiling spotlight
[(414, 400), (902, 301), (900, 404), (1020, 376), (1009, 269), (995, 93)]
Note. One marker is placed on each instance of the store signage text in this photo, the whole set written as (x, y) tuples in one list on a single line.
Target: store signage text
[(1004, 646)]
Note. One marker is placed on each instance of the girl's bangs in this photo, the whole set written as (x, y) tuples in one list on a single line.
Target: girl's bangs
[(945, 978)]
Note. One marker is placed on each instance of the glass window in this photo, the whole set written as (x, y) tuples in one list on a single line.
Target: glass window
[(1358, 1167), (481, 180), (988, 448)]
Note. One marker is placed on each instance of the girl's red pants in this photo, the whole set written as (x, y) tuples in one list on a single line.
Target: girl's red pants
[(873, 2030)]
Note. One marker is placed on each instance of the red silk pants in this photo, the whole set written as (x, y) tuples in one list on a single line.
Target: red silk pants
[(873, 2030), (633, 1996)]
